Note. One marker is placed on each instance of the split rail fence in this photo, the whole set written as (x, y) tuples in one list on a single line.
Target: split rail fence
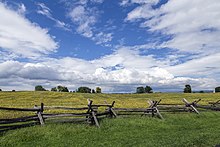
[(91, 114)]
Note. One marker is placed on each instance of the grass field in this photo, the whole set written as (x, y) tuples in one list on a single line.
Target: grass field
[(187, 129)]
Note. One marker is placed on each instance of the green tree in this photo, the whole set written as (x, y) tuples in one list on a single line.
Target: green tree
[(217, 89), (54, 89), (62, 89), (148, 89), (98, 90), (39, 88), (187, 89), (140, 90), (84, 90)]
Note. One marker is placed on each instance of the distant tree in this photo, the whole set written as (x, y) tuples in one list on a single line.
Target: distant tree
[(0, 89), (140, 90), (148, 89), (13, 90), (54, 89), (187, 89), (62, 89), (217, 89), (93, 91), (201, 91), (39, 88), (84, 90), (98, 90)]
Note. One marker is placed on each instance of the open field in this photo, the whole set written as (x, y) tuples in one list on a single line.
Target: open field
[(185, 129)]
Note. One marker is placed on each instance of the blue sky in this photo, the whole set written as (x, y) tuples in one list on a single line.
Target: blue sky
[(117, 45)]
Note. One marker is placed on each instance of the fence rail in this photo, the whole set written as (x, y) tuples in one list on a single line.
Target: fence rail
[(91, 115)]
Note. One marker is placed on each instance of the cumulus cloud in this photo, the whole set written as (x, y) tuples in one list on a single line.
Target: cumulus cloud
[(15, 36), (193, 28), (124, 68)]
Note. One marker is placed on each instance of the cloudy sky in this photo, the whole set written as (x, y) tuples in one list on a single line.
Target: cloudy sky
[(115, 44)]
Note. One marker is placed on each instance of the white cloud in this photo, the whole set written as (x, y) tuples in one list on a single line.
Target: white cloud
[(21, 9), (194, 24), (144, 11), (97, 1), (194, 29), (124, 68), (44, 10), (85, 19), (15, 36), (102, 38), (130, 2)]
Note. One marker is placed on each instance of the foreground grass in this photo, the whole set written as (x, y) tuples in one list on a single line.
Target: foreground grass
[(177, 130)]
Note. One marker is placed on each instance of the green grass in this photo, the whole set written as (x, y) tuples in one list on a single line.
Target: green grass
[(185, 129), (176, 130)]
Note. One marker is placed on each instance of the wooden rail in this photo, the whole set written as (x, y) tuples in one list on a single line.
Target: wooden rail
[(92, 114)]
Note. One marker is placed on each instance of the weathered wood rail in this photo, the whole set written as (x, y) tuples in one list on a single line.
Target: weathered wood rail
[(215, 106), (151, 110), (187, 107), (89, 114), (20, 122)]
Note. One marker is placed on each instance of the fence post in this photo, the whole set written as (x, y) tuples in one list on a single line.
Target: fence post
[(39, 114), (93, 115), (190, 105)]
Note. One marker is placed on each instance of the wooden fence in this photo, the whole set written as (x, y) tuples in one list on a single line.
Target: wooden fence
[(151, 110), (189, 106), (91, 113)]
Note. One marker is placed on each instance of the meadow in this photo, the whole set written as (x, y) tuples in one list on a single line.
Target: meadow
[(179, 129)]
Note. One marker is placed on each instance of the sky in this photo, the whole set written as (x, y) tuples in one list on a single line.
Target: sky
[(117, 45)]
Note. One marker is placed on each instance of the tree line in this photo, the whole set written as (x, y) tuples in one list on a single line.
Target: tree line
[(65, 89), (141, 89), (187, 89)]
